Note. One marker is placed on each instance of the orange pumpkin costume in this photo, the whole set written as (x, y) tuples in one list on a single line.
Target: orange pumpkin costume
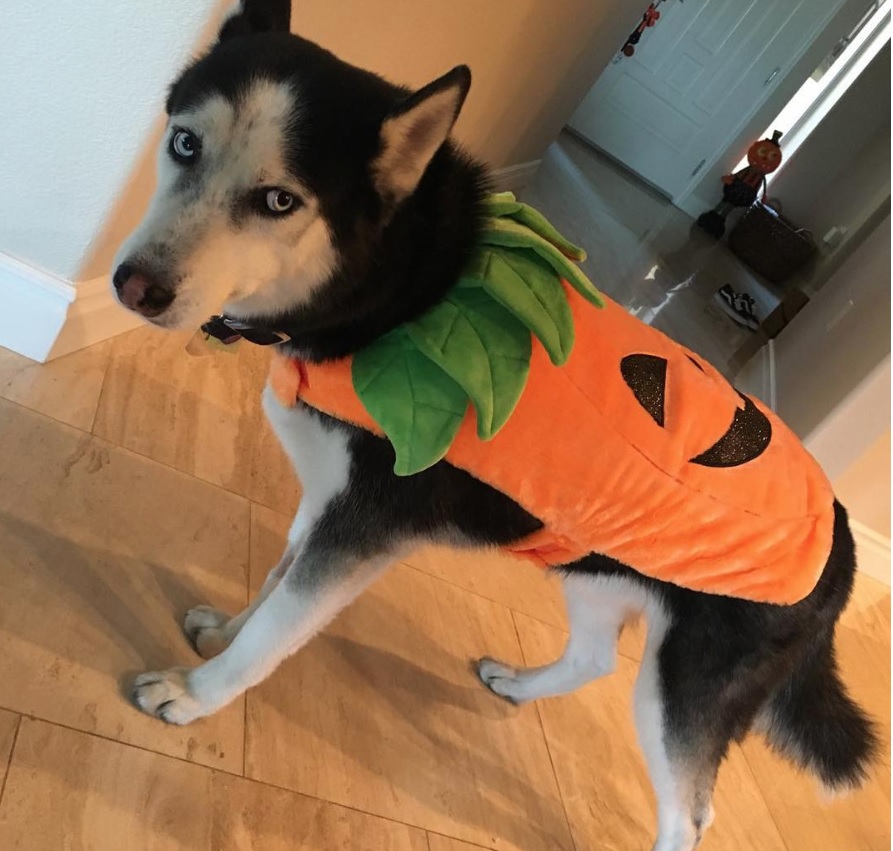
[(638, 450)]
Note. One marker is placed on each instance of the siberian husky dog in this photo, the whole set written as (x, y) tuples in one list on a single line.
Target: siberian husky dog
[(303, 196)]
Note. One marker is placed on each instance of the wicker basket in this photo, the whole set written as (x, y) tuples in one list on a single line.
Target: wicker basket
[(770, 244)]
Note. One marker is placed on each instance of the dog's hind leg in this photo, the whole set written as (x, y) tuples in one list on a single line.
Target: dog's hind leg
[(693, 699), (597, 607)]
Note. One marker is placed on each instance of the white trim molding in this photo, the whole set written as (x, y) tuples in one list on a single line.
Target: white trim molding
[(514, 178), (872, 552), (33, 307)]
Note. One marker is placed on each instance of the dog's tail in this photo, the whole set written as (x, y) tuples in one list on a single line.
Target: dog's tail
[(812, 721)]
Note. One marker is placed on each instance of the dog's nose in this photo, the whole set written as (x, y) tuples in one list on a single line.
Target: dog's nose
[(138, 292)]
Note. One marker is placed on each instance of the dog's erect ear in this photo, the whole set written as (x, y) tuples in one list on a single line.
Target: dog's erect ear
[(412, 134), (256, 16)]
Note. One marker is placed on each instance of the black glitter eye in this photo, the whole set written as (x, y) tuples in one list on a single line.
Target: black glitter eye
[(646, 376), (747, 437)]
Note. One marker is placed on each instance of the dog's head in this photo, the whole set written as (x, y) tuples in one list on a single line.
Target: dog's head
[(276, 154)]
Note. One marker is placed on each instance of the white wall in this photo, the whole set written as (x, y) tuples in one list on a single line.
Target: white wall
[(80, 86), (841, 173), (832, 372), (837, 339)]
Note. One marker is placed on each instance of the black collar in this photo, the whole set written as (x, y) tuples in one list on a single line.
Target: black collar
[(229, 331)]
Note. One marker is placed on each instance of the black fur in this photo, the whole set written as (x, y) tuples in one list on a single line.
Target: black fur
[(257, 16), (724, 663), (396, 263)]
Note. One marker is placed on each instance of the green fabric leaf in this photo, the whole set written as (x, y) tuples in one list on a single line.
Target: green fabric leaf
[(501, 204), (527, 286), (510, 234), (537, 222), (417, 405), (483, 347)]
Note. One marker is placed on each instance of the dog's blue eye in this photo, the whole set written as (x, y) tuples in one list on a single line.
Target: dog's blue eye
[(184, 146), (279, 201)]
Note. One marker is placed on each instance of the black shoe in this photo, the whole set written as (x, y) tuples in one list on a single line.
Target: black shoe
[(738, 306)]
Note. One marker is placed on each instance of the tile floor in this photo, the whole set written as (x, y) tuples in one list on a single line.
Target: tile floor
[(136, 481)]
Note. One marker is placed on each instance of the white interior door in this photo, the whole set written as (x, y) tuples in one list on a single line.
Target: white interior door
[(707, 65)]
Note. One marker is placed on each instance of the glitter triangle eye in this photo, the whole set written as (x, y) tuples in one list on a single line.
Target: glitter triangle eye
[(746, 439), (646, 376)]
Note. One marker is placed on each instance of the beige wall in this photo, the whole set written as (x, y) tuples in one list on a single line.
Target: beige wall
[(865, 487), (532, 61)]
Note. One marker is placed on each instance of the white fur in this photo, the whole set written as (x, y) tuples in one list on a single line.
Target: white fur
[(320, 455), (675, 828), (258, 264), (597, 608), (411, 139)]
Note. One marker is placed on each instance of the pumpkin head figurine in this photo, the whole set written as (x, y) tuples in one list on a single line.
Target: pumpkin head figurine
[(743, 187), (765, 156)]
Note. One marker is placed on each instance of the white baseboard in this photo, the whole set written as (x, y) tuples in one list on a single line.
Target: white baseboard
[(33, 308), (95, 316), (514, 178), (872, 552), (757, 376)]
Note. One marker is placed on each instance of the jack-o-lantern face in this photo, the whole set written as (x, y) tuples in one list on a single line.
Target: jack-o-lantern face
[(747, 436), (764, 155)]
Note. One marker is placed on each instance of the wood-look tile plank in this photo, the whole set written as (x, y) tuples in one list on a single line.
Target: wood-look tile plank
[(66, 389), (101, 553), (492, 574), (201, 415), (514, 583), (68, 790), (445, 843), (9, 723), (868, 611), (602, 773), (384, 714)]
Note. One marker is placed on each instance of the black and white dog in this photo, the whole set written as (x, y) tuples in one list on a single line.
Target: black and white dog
[(302, 195)]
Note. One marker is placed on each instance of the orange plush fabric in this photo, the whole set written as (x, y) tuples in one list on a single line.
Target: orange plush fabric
[(634, 449)]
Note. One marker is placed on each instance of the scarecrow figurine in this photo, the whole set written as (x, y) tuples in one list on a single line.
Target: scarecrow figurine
[(742, 188)]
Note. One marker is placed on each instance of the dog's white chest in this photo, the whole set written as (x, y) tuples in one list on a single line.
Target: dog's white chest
[(320, 455)]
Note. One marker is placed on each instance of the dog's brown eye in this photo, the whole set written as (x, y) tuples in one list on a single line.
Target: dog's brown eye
[(280, 201)]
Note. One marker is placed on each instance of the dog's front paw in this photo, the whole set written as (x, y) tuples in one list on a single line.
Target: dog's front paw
[(166, 695), (500, 679), (203, 626)]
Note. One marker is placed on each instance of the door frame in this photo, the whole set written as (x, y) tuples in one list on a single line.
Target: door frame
[(729, 139)]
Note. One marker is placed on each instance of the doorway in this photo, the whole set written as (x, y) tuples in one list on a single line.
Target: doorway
[(668, 112)]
